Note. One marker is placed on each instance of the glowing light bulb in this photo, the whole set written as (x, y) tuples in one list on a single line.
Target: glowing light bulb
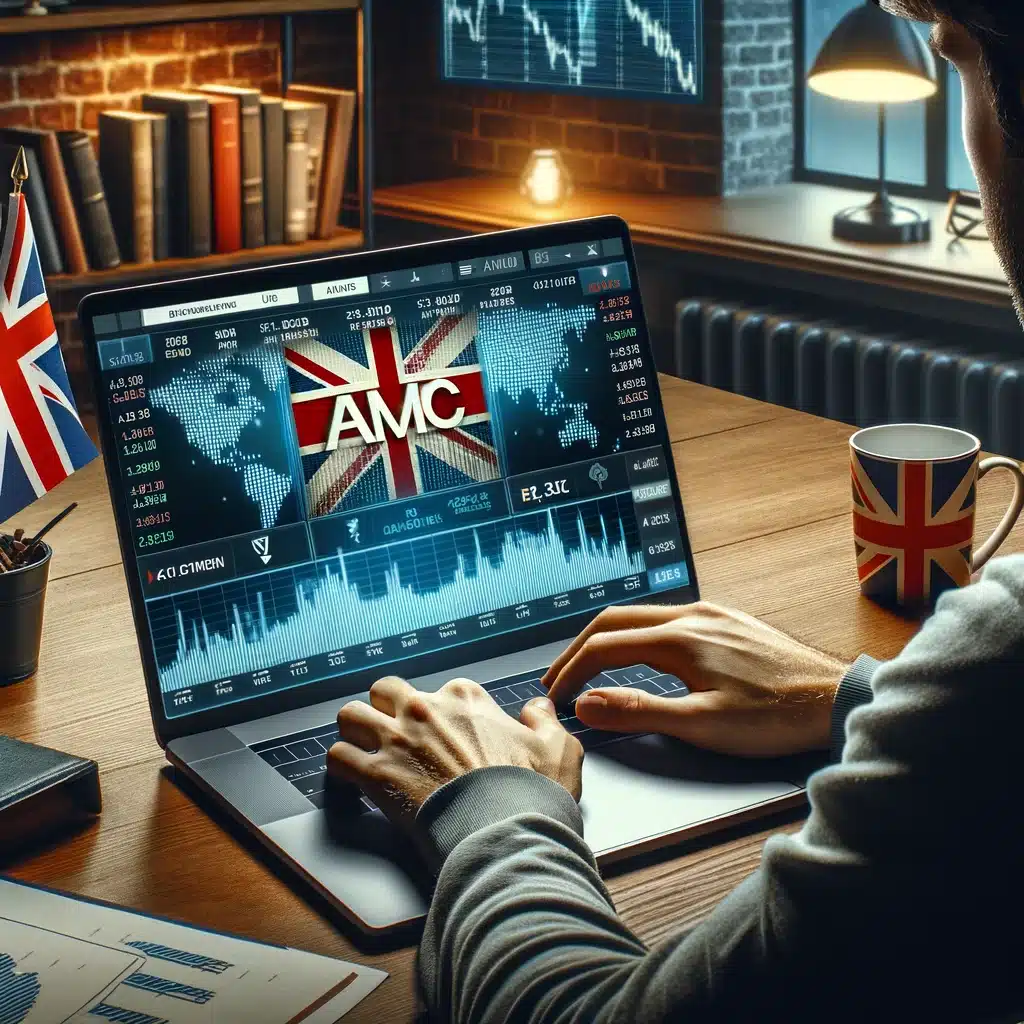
[(545, 180)]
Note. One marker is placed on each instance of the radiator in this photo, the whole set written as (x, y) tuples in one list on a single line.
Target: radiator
[(850, 375)]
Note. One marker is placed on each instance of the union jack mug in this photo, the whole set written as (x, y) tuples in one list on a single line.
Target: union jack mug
[(914, 496)]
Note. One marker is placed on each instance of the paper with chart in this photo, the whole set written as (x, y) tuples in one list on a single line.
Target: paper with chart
[(65, 960)]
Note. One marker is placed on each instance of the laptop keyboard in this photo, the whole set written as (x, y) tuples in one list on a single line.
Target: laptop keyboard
[(301, 758)]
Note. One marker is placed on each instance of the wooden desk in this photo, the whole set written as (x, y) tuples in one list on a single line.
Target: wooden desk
[(767, 495)]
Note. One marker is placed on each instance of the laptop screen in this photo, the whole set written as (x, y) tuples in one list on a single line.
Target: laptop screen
[(340, 476)]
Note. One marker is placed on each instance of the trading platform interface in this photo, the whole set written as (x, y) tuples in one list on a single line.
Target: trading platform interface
[(351, 473)]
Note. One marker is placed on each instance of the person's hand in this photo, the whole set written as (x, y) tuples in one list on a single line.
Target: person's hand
[(405, 744), (754, 692)]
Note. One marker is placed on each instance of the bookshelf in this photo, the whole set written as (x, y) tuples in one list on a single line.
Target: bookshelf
[(115, 16)]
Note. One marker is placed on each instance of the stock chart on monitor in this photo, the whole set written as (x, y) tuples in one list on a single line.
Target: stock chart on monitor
[(630, 47), (325, 478)]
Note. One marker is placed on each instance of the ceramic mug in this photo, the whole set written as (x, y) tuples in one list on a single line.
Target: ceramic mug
[(914, 488)]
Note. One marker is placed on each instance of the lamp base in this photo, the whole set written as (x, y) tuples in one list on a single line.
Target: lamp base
[(882, 222)]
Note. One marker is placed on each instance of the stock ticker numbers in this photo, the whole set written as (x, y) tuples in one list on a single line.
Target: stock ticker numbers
[(138, 448), (632, 388)]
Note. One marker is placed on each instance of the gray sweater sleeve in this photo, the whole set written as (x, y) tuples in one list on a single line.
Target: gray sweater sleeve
[(854, 690), (892, 902)]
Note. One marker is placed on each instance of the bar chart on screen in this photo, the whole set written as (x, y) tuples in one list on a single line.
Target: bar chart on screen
[(393, 591)]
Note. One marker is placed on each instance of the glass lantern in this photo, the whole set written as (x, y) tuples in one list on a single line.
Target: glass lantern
[(545, 180)]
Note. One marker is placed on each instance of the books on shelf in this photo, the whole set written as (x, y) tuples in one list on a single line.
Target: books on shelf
[(316, 130), (161, 186), (90, 199), (225, 173), (296, 172), (272, 125), (188, 172), (340, 107), (50, 257), (127, 166), (214, 169), (247, 106), (43, 143)]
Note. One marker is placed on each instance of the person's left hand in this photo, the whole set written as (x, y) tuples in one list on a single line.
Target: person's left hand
[(406, 744)]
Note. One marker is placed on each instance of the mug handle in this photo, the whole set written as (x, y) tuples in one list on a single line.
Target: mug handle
[(1002, 531)]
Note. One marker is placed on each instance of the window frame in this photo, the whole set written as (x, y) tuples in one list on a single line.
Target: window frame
[(936, 133)]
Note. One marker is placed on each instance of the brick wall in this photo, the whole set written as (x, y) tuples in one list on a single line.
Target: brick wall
[(427, 128), (64, 79), (757, 102)]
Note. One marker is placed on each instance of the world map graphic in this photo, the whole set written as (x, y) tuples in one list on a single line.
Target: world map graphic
[(529, 349), (552, 390), (221, 404)]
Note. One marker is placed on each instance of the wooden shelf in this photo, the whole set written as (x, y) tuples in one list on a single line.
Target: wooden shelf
[(138, 273), (117, 16)]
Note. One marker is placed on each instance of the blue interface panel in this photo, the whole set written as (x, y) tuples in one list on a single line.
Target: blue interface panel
[(623, 47), (348, 474)]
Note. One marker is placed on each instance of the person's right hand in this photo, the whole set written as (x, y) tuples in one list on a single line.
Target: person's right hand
[(754, 692)]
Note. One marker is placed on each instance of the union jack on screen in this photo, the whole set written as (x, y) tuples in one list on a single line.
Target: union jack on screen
[(387, 360), (913, 523), (42, 440)]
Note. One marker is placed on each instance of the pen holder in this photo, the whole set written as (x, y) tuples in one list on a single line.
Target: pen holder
[(22, 596)]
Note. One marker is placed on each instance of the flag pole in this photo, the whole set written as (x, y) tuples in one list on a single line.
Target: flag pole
[(19, 172)]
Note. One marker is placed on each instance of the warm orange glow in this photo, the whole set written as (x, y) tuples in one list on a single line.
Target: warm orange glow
[(545, 180), (867, 86)]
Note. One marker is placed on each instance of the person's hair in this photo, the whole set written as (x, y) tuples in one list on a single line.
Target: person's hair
[(998, 28)]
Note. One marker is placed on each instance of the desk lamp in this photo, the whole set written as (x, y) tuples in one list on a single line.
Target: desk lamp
[(873, 57)]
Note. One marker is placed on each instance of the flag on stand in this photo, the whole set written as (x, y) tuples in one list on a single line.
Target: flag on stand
[(42, 440)]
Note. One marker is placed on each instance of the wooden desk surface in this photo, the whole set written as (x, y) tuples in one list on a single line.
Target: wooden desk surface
[(767, 494), (789, 226)]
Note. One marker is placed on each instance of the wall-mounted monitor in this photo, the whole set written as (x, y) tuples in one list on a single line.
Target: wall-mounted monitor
[(651, 48)]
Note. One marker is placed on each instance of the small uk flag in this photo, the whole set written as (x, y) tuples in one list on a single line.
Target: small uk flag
[(42, 439)]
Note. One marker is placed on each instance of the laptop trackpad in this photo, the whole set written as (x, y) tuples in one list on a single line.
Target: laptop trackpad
[(641, 790), (635, 792), (362, 860)]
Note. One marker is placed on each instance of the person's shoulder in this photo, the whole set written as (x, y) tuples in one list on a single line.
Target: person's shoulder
[(1008, 569), (983, 622), (1000, 584)]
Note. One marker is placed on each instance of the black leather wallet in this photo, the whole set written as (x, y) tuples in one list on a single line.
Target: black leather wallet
[(42, 792)]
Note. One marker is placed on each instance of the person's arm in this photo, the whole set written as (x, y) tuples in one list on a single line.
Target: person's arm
[(753, 690), (853, 691), (891, 902)]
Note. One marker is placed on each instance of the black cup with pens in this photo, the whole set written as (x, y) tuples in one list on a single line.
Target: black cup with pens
[(24, 572)]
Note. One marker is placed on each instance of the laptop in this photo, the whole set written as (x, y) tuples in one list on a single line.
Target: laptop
[(432, 461)]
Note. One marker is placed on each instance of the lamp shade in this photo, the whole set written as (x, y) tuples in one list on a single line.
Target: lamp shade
[(874, 57)]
